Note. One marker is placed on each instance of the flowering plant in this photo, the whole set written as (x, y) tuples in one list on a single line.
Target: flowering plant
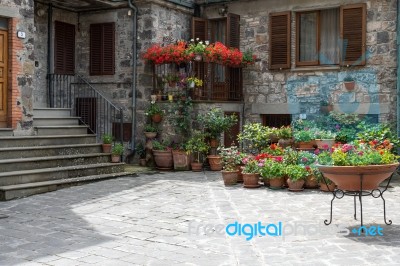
[(284, 132), (173, 53), (197, 46), (197, 82), (248, 57), (324, 134), (296, 172), (272, 169), (274, 150), (251, 166), (306, 158), (358, 153), (153, 110), (220, 54), (231, 157), (255, 136)]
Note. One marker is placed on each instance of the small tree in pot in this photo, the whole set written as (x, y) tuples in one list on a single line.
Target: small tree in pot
[(296, 176), (116, 153), (197, 146)]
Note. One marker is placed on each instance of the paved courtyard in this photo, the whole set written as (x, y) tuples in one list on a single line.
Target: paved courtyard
[(176, 219)]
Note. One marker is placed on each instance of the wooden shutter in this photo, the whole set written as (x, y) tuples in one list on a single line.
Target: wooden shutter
[(200, 28), (233, 30), (352, 34), (279, 40), (64, 48), (102, 49)]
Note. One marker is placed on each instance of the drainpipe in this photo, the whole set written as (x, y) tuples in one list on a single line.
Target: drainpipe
[(49, 52), (134, 71), (398, 69)]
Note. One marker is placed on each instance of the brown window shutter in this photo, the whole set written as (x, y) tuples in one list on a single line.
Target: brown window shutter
[(279, 44), (233, 30), (102, 49), (64, 48), (352, 33), (200, 28)]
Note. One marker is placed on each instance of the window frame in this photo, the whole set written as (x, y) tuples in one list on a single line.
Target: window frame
[(103, 70), (318, 41), (64, 33)]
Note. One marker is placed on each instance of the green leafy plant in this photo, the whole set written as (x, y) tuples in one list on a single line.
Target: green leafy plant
[(348, 79), (296, 172), (197, 46), (161, 146), (274, 150), (197, 144), (231, 157), (150, 128), (197, 82), (248, 57), (306, 158), (325, 134), (140, 150), (272, 169), (118, 149), (215, 122), (304, 135), (378, 133), (154, 109), (107, 138), (255, 137), (250, 166), (284, 132)]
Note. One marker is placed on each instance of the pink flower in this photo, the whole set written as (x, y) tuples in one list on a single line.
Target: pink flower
[(278, 159), (325, 146), (317, 151), (337, 127), (304, 159)]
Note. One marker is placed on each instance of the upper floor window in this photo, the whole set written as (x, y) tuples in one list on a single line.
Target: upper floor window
[(102, 58), (333, 36), (64, 48)]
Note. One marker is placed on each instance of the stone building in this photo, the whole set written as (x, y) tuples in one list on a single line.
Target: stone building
[(91, 42)]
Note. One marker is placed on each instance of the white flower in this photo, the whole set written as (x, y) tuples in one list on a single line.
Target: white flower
[(201, 42), (152, 102), (197, 39), (207, 42), (147, 113), (191, 40)]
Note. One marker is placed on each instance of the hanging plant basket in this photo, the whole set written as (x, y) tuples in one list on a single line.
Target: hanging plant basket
[(156, 118)]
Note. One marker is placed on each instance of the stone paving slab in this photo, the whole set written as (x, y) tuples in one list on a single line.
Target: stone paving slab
[(173, 218)]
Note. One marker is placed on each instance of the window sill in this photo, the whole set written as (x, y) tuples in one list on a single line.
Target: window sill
[(315, 68)]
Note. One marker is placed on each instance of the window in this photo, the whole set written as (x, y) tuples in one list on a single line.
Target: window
[(224, 83), (102, 49), (276, 120), (333, 36), (64, 48)]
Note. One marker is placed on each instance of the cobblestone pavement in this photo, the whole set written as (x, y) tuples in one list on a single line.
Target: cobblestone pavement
[(145, 220)]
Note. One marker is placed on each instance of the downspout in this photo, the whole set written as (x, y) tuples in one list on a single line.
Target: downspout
[(49, 52), (134, 71), (398, 69)]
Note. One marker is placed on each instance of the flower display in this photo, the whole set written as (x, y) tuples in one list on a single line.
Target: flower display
[(274, 150), (231, 157)]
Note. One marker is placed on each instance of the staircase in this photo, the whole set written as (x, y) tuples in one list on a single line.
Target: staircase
[(61, 154)]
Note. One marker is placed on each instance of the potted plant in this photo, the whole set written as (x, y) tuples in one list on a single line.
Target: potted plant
[(251, 172), (215, 122), (197, 48), (231, 158), (275, 150), (324, 138), (346, 164), (273, 171), (308, 159), (197, 146), (194, 82), (255, 137), (349, 83), (116, 153), (162, 155), (325, 107), (150, 131), (325, 184), (248, 58), (155, 112), (181, 157), (141, 152), (285, 136), (172, 79), (296, 176), (107, 140), (305, 138)]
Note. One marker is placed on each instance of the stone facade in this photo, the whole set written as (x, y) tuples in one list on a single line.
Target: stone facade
[(21, 64), (300, 90)]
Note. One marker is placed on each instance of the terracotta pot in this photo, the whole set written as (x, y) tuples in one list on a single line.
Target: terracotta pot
[(326, 109), (153, 97), (240, 174), (349, 85), (196, 167), (327, 188), (150, 135), (115, 158), (306, 145), (181, 160), (215, 162), (230, 177), (348, 177), (285, 142), (251, 180), (266, 182), (106, 148), (295, 185), (159, 97), (156, 118), (322, 142), (273, 138), (214, 143), (276, 183), (311, 182), (163, 160), (142, 162)]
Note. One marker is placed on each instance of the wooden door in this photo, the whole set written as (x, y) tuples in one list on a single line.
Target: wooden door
[(3, 77), (230, 136)]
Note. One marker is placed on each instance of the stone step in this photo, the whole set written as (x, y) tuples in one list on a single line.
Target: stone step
[(61, 130), (10, 165), (6, 132), (52, 150), (55, 121), (51, 112), (28, 141), (57, 173), (28, 189)]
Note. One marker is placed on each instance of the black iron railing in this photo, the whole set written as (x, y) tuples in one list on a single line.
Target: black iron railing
[(86, 102)]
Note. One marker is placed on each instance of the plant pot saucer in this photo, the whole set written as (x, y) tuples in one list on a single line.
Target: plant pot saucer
[(252, 186), (295, 190), (276, 188), (164, 168)]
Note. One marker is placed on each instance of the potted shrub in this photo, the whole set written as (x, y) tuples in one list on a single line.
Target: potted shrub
[(285, 136), (215, 122), (107, 140), (181, 158), (197, 48), (275, 150), (255, 137), (273, 171), (150, 131), (251, 173), (305, 138), (155, 112), (349, 83), (308, 159), (162, 155), (324, 138), (296, 176), (141, 152), (229, 171), (116, 153), (197, 146)]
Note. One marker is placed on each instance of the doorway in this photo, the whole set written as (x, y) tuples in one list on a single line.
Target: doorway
[(3, 77)]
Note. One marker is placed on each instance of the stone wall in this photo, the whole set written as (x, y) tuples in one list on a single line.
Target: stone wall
[(21, 64), (300, 90)]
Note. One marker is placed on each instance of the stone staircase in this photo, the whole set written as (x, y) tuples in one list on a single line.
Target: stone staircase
[(61, 154)]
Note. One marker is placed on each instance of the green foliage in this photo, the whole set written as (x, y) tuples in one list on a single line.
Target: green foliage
[(107, 138), (231, 157), (154, 109), (197, 144), (304, 135), (215, 122), (181, 116), (324, 134), (378, 132), (291, 156), (161, 146), (272, 169), (284, 132), (306, 158), (296, 172), (141, 151), (251, 167), (150, 128), (348, 79), (118, 149), (255, 136)]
